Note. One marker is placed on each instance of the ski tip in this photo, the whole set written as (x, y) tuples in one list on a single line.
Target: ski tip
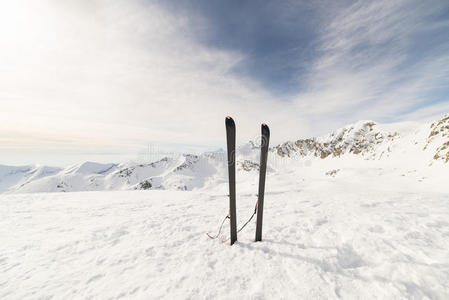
[(229, 122), (265, 129)]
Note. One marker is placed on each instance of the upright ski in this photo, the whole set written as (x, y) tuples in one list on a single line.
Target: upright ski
[(262, 172), (230, 137)]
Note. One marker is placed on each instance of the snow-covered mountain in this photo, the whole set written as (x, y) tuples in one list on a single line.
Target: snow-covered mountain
[(365, 138), (396, 145), (181, 173), (359, 213)]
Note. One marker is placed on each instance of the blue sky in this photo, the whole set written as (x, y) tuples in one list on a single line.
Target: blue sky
[(100, 80), (279, 39)]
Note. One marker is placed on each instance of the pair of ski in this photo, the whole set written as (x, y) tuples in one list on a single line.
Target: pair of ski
[(230, 137)]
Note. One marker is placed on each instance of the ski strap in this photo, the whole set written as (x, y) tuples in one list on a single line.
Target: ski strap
[(219, 231), (241, 228)]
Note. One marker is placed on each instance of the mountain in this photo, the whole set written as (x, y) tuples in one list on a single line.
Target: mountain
[(399, 146), (18, 177), (365, 138)]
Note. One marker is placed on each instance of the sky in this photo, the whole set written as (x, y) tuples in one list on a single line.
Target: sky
[(105, 80)]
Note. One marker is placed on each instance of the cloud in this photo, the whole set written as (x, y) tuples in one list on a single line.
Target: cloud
[(366, 67), (112, 77), (122, 72)]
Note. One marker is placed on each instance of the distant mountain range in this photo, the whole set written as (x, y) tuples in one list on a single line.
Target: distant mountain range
[(399, 144)]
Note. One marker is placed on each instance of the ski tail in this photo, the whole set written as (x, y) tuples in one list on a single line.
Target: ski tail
[(262, 174), (230, 138)]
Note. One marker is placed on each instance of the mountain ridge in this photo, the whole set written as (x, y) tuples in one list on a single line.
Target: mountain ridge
[(400, 143)]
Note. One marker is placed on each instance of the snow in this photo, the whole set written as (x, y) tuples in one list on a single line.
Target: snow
[(365, 233), (90, 167), (367, 225), (425, 145), (10, 176)]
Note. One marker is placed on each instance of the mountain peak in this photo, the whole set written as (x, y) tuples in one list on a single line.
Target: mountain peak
[(402, 143), (359, 138), (89, 167)]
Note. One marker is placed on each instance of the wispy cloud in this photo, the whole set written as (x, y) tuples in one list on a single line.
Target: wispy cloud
[(367, 68), (126, 71), (119, 75)]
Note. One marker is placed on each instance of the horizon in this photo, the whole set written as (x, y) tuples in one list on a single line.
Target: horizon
[(155, 152), (97, 81)]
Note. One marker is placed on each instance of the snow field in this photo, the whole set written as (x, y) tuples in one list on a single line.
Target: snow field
[(323, 238)]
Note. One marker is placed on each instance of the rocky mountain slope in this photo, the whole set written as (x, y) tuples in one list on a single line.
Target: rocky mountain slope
[(395, 145)]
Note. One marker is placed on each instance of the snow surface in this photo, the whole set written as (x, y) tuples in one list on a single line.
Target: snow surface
[(362, 233), (400, 145), (362, 213)]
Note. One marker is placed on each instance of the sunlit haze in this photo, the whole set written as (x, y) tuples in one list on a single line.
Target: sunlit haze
[(101, 80)]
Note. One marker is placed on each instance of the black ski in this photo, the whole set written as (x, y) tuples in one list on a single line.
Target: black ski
[(230, 138), (262, 172)]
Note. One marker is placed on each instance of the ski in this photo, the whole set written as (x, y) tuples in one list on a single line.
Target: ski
[(230, 138), (262, 172)]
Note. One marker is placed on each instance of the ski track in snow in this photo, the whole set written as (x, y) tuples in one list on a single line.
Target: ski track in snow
[(322, 239)]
